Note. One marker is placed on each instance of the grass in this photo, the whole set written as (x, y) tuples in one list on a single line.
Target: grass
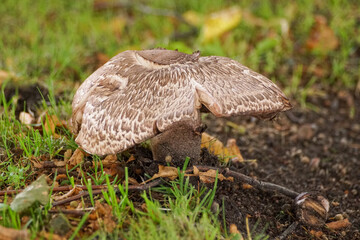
[(57, 44)]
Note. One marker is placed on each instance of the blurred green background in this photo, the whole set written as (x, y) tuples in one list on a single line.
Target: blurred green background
[(306, 46)]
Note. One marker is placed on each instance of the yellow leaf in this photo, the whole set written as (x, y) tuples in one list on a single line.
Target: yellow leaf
[(209, 176), (233, 151), (165, 171), (216, 147), (193, 18), (220, 22)]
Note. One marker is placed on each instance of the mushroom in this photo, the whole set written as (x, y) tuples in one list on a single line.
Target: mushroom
[(157, 94)]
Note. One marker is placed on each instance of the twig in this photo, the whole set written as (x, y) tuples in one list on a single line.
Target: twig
[(99, 191), (77, 212), (55, 189), (265, 186), (289, 230)]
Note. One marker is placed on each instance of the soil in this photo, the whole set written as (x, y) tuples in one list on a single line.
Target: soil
[(303, 150), (306, 151)]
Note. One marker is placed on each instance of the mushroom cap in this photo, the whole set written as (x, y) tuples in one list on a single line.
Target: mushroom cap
[(138, 94)]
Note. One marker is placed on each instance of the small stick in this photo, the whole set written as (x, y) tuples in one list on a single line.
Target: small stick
[(68, 188), (289, 230), (265, 186), (77, 212), (55, 189), (99, 191)]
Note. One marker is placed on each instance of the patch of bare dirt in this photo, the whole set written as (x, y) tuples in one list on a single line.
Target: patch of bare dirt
[(305, 151)]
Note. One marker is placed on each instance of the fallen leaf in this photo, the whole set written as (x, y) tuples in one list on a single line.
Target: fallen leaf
[(109, 159), (209, 176), (233, 151), (316, 234), (114, 170), (131, 158), (50, 124), (165, 171), (246, 186), (37, 191), (36, 163), (112, 166), (61, 176), (218, 23), (322, 38), (338, 224), (216, 147), (193, 18), (67, 155), (132, 181), (76, 158), (26, 118), (13, 234), (102, 216)]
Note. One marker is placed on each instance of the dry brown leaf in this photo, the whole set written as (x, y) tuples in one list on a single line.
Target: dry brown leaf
[(114, 170), (338, 224), (67, 155), (209, 176), (132, 181), (131, 158), (13, 234), (316, 234), (58, 163), (103, 216), (196, 171), (109, 159), (246, 186), (233, 151), (76, 158), (112, 166), (36, 163), (61, 176), (165, 171), (216, 147), (322, 38), (50, 124)]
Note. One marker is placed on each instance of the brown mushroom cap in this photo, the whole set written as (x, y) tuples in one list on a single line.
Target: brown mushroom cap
[(138, 94)]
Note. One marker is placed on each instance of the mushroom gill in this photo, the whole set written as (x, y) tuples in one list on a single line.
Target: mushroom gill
[(157, 94)]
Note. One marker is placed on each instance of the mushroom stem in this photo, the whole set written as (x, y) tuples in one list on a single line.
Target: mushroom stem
[(176, 144)]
